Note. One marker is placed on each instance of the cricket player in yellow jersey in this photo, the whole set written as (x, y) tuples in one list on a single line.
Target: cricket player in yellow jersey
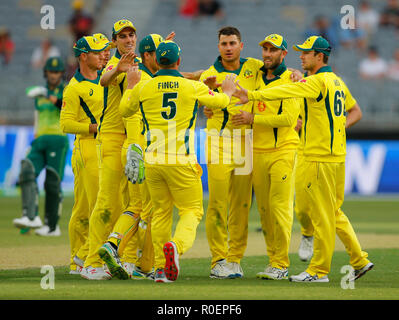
[(229, 178), (110, 138), (106, 54), (80, 114), (326, 97), (301, 207), (169, 105), (140, 201), (274, 146)]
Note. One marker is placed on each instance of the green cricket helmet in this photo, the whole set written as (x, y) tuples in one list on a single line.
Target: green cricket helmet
[(54, 64)]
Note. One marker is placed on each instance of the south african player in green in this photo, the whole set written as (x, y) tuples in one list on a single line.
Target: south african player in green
[(48, 151)]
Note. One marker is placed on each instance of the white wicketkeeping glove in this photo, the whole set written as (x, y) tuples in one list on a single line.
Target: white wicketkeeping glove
[(134, 169), (36, 91)]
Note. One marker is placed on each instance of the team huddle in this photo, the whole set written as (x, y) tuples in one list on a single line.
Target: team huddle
[(134, 157)]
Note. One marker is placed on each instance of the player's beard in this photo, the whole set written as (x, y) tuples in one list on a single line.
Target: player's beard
[(274, 64)]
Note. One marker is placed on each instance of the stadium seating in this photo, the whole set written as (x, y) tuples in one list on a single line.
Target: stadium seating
[(198, 40)]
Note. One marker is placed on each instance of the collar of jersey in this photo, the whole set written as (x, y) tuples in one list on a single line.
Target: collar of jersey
[(145, 69), (278, 71), (324, 69), (79, 77), (219, 66), (168, 72)]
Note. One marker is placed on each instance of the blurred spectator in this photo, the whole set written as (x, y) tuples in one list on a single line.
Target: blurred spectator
[(188, 8), (390, 14), (353, 38), (373, 67), (7, 46), (322, 26), (210, 8), (40, 54), (393, 67), (367, 18), (80, 23)]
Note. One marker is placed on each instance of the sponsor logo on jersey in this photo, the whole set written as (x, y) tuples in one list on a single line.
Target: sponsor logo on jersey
[(248, 74), (261, 106)]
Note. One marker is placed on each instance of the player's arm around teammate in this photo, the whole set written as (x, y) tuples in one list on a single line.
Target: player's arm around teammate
[(274, 143), (229, 172), (172, 172), (327, 98)]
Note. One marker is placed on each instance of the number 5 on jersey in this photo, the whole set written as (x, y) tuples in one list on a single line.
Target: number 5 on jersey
[(169, 103)]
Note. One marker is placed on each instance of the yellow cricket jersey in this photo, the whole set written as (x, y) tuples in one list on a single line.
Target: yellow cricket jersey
[(169, 104), (326, 97), (111, 121), (134, 124), (82, 105), (246, 75), (275, 121)]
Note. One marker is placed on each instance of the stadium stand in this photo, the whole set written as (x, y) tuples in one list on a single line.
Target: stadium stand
[(198, 40)]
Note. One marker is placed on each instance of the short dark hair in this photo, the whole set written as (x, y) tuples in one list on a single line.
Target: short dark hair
[(325, 57), (229, 31), (142, 55)]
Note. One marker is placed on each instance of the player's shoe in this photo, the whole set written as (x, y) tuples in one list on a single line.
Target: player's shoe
[(45, 232), (306, 277), (272, 273), (305, 251), (110, 256), (129, 267), (221, 270), (78, 270), (172, 267), (139, 274), (357, 273), (25, 222), (79, 262), (235, 270), (160, 276), (99, 273)]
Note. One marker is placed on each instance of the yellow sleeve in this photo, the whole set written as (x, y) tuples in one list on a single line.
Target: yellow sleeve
[(69, 113), (209, 98), (287, 118), (130, 103), (309, 87)]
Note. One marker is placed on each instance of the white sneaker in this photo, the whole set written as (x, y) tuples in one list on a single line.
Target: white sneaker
[(78, 270), (91, 273), (306, 277), (129, 267), (221, 270), (272, 273), (235, 270), (25, 222), (45, 232), (357, 273), (79, 262), (305, 251)]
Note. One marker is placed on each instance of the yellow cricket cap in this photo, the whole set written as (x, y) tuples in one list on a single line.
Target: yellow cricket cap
[(122, 24), (275, 40), (89, 43)]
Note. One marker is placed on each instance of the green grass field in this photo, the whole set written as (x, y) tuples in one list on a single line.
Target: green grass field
[(375, 221)]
